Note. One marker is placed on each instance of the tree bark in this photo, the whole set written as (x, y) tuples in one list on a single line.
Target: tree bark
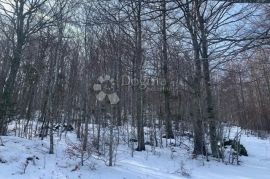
[(139, 111), (169, 132)]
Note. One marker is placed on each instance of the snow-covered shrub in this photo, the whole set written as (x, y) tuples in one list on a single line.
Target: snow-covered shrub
[(27, 161), (75, 151), (92, 165), (184, 171)]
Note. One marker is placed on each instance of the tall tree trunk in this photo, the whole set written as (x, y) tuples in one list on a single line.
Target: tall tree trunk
[(6, 105), (207, 84), (139, 111), (51, 150), (199, 142), (169, 132), (85, 139)]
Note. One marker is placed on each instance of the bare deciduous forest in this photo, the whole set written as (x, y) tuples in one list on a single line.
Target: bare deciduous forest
[(142, 76)]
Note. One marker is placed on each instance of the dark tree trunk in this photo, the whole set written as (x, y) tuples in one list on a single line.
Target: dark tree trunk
[(168, 120), (139, 111)]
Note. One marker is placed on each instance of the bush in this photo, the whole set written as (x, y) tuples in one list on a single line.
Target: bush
[(236, 145)]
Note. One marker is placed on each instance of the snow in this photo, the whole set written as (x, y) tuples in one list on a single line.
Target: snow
[(164, 163)]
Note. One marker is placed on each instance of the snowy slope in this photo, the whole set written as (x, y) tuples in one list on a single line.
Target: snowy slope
[(161, 164)]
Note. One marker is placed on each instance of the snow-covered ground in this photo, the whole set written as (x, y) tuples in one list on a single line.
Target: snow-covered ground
[(161, 164)]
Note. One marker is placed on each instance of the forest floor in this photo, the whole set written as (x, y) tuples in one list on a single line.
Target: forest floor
[(164, 163)]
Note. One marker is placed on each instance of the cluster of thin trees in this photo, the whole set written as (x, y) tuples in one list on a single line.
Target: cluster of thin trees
[(196, 63)]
